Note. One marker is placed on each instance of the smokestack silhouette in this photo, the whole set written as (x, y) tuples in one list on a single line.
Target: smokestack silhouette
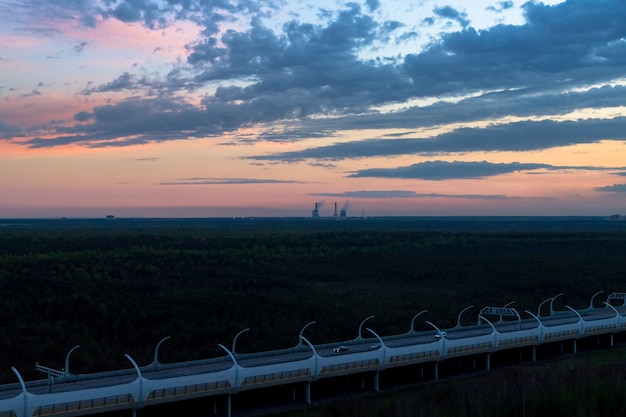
[(336, 216)]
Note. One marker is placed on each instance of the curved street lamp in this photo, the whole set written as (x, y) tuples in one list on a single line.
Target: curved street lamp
[(156, 349), (582, 321), (436, 328), (619, 321), (592, 297), (66, 371), (538, 321), (235, 364), (359, 337), (540, 304), (488, 322), (235, 338), (315, 355), (458, 318), (382, 344), (413, 321), (302, 332), (552, 302), (23, 385), (139, 377)]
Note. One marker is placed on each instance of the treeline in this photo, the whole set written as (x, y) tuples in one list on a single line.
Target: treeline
[(117, 290), (590, 387)]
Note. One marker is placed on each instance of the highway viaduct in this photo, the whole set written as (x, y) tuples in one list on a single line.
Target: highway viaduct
[(498, 329)]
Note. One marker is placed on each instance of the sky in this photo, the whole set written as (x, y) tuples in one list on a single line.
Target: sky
[(220, 108)]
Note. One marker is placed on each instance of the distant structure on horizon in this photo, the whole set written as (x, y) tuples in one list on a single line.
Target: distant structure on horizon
[(315, 213), (110, 217), (338, 214)]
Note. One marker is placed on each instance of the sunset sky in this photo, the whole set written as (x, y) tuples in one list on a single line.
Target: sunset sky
[(214, 108)]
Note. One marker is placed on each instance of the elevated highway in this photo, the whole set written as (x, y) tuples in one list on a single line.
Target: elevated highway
[(65, 394)]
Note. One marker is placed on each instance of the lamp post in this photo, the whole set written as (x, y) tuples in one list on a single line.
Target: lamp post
[(315, 371), (495, 339), (538, 321), (443, 347), (23, 385), (436, 328), (592, 297), (458, 318), (619, 321), (359, 337), (616, 313), (156, 350), (302, 332), (66, 371), (582, 325), (235, 339), (382, 347), (139, 400), (540, 304), (552, 303), (582, 321), (413, 321)]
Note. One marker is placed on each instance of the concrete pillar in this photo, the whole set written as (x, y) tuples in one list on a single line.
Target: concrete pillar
[(308, 393), (294, 393), (436, 371), (229, 409), (611, 339), (489, 361), (376, 382), (534, 353), (215, 406), (575, 346)]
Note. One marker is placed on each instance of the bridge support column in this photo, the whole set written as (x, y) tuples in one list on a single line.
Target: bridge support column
[(534, 354), (308, 393), (293, 396), (488, 362), (611, 342), (229, 406), (215, 406), (575, 346), (436, 371), (376, 382)]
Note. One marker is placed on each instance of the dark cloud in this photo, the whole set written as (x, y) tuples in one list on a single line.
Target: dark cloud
[(442, 170), (385, 194), (372, 5), (8, 130), (83, 116), (615, 188), (519, 136), (80, 47), (500, 6), (290, 77), (448, 12), (126, 81), (227, 181), (46, 12)]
